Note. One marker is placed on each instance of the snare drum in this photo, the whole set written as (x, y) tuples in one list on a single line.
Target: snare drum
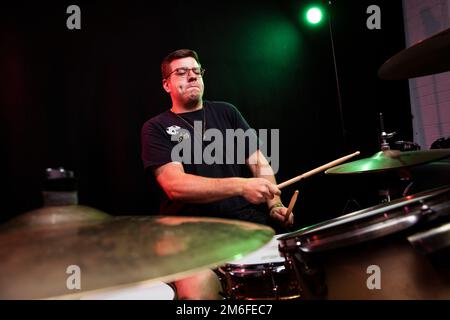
[(263, 274), (383, 252), (150, 291)]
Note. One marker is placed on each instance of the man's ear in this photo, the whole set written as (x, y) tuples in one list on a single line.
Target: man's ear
[(165, 84)]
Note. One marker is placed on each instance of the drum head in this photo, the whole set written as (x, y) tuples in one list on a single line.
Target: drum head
[(152, 291), (370, 223), (267, 254)]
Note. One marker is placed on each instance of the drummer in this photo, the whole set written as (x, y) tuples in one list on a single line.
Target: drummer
[(200, 189)]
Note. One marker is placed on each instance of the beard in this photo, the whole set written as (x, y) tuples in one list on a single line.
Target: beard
[(193, 99)]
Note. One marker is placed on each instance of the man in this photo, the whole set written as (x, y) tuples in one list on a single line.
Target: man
[(202, 189)]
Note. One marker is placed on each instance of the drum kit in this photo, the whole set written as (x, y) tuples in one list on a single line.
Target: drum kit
[(399, 249)]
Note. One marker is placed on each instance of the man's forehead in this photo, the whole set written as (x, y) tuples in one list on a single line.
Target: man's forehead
[(184, 62)]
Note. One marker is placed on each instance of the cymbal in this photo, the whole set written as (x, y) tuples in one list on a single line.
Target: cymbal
[(426, 57), (55, 216), (390, 159), (113, 252)]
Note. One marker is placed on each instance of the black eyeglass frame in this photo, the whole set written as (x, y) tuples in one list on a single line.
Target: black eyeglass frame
[(200, 73)]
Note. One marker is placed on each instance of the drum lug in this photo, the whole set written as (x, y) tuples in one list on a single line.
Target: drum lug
[(233, 292), (275, 291), (425, 209), (427, 212)]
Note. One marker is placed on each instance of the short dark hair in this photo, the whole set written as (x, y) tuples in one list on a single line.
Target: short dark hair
[(178, 54)]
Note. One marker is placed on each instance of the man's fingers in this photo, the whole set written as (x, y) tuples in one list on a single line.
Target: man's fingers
[(270, 195), (274, 189), (278, 216), (290, 221), (267, 194)]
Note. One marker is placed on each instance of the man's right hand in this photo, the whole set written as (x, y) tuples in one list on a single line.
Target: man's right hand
[(258, 190)]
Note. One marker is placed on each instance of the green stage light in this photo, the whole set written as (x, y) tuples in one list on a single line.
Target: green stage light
[(314, 15)]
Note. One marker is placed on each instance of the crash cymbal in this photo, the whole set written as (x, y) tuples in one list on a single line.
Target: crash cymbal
[(426, 57), (113, 252), (390, 159), (55, 216)]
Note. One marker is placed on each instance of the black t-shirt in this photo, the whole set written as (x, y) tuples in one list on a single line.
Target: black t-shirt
[(162, 133)]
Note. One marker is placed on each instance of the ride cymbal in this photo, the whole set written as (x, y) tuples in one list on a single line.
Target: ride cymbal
[(38, 258), (426, 57), (389, 159)]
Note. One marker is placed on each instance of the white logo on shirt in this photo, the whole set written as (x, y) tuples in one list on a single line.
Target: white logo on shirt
[(173, 130), (177, 133)]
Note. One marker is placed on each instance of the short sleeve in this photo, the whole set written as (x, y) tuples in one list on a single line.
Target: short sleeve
[(156, 146)]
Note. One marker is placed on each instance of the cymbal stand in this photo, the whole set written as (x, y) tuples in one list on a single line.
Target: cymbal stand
[(384, 135), (385, 193)]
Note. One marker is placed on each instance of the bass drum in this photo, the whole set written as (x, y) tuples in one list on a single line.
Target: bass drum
[(398, 250)]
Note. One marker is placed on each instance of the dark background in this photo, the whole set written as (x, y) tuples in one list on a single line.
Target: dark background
[(78, 98)]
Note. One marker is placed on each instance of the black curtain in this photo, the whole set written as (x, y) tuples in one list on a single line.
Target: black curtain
[(78, 98)]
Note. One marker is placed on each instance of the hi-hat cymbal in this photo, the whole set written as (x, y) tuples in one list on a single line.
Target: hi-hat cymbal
[(115, 251), (390, 159), (426, 57)]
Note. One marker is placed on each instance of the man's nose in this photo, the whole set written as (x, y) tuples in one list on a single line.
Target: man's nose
[(192, 76)]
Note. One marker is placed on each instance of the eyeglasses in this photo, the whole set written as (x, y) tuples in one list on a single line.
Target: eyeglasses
[(184, 71)]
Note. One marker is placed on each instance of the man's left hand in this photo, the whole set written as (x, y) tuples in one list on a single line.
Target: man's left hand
[(279, 213)]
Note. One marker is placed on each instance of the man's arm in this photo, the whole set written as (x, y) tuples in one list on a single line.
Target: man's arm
[(181, 186), (261, 168)]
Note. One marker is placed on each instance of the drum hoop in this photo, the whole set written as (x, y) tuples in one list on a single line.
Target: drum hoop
[(413, 211), (253, 270), (365, 213), (370, 232), (231, 267), (431, 240)]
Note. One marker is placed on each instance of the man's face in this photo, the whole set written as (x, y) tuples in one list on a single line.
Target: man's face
[(188, 88)]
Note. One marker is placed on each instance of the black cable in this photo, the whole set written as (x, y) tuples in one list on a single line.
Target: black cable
[(341, 113)]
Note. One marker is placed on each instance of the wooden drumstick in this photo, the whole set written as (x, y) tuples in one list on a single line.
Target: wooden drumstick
[(291, 206), (317, 170)]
